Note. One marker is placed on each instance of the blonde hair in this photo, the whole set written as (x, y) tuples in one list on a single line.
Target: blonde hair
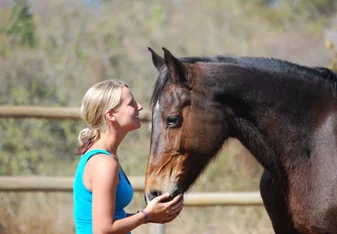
[(101, 97)]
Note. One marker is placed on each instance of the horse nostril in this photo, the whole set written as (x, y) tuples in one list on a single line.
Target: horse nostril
[(173, 195), (153, 194)]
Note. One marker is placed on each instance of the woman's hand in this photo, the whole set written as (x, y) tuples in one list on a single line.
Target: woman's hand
[(164, 212)]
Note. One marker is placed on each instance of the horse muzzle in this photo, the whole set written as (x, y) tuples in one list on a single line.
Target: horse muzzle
[(149, 196)]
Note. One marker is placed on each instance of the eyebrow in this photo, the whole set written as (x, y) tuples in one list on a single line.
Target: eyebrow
[(131, 101)]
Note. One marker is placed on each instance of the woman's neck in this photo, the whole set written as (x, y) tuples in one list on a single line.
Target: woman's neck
[(109, 141)]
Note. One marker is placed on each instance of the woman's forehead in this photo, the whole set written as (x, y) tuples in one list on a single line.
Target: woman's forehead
[(126, 94)]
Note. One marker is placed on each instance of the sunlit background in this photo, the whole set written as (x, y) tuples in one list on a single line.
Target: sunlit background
[(52, 51)]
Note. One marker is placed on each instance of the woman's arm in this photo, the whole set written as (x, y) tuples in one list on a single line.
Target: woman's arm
[(104, 181), (130, 214)]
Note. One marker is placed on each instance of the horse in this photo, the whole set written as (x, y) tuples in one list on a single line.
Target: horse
[(284, 113)]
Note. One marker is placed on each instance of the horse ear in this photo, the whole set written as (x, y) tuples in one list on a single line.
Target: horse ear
[(157, 60), (175, 67)]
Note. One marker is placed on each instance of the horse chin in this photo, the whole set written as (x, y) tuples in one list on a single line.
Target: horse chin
[(173, 193)]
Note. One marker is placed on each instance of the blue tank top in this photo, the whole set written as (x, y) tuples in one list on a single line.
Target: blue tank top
[(83, 197)]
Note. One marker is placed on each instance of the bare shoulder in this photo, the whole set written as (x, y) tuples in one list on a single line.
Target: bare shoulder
[(102, 164)]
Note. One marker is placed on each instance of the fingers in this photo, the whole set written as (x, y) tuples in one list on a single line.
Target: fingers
[(175, 199), (174, 210), (171, 216), (162, 197), (177, 207)]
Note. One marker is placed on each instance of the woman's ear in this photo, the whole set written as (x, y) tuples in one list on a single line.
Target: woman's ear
[(110, 115)]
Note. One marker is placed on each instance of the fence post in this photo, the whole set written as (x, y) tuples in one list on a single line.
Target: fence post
[(158, 228)]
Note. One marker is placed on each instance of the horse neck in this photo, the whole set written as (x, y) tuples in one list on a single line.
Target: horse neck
[(272, 114)]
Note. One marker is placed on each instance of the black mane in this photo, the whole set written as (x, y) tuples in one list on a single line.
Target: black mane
[(270, 65)]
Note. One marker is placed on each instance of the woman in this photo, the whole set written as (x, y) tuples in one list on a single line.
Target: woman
[(101, 189)]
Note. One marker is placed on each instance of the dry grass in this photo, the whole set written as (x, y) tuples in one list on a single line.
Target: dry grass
[(28, 213), (39, 213), (52, 214)]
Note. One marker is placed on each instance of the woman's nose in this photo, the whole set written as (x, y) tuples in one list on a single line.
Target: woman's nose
[(140, 107)]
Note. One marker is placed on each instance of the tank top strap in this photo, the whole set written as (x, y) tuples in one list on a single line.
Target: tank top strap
[(85, 157)]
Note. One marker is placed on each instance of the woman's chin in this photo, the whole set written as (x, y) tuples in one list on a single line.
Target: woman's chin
[(136, 125)]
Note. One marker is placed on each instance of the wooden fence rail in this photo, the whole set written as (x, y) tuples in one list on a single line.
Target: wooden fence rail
[(64, 184), (43, 112)]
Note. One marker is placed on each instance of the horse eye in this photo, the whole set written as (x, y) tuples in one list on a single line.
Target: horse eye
[(172, 120)]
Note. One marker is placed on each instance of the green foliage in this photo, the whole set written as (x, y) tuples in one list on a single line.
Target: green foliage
[(78, 48), (313, 13), (313, 9), (258, 2), (33, 146), (333, 62), (49, 139), (21, 28)]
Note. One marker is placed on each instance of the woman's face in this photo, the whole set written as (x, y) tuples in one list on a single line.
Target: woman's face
[(127, 113)]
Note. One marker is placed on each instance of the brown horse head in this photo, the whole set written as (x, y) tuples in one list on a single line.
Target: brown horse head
[(181, 142)]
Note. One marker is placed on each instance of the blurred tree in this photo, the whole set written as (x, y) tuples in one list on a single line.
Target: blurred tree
[(76, 50), (92, 2), (331, 46), (260, 2), (33, 146), (21, 27), (315, 8), (314, 12)]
